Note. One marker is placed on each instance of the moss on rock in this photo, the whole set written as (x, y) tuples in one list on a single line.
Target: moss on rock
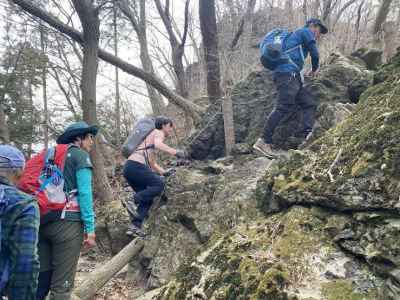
[(344, 290)]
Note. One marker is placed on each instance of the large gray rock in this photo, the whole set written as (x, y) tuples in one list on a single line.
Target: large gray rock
[(290, 255), (354, 169), (342, 80), (202, 199)]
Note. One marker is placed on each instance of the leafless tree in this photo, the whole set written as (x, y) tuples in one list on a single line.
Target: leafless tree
[(44, 88), (208, 25), (117, 92), (189, 107), (135, 12), (89, 17), (380, 19), (177, 42)]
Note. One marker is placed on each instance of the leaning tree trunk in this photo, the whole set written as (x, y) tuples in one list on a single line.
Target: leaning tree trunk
[(89, 17), (99, 277), (192, 109), (208, 26)]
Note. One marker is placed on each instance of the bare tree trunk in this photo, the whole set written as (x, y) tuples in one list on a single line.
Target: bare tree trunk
[(44, 88), (229, 128), (32, 119), (88, 14), (192, 109), (138, 22), (305, 11), (327, 8), (247, 17), (176, 46), (208, 26), (315, 8), (4, 132), (289, 12), (341, 11), (117, 94), (377, 30), (358, 22), (390, 40)]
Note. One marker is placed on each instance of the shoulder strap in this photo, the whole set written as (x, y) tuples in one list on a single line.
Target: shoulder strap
[(3, 201), (50, 155), (3, 205)]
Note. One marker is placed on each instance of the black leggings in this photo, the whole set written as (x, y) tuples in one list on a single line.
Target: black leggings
[(147, 185)]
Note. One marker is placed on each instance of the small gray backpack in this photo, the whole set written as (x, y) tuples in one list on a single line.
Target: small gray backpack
[(141, 130)]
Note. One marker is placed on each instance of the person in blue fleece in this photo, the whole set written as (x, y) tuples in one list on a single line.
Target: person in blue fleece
[(288, 80), (61, 238)]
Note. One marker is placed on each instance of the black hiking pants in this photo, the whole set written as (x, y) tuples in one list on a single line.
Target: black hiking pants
[(147, 185), (291, 96)]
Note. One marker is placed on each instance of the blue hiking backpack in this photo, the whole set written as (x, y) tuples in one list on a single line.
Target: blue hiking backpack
[(5, 265), (273, 49)]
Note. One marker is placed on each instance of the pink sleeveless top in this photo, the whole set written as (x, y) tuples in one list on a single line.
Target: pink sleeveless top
[(141, 153)]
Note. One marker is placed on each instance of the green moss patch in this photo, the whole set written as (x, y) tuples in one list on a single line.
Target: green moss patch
[(343, 290)]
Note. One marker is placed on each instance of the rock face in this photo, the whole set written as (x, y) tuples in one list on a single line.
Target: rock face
[(342, 80), (354, 169), (288, 256), (329, 227), (200, 200)]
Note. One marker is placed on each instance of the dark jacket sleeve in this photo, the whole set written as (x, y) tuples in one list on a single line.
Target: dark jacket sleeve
[(310, 44), (314, 53)]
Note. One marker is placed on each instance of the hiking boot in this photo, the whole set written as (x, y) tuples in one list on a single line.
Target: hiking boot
[(306, 141), (135, 231), (265, 149), (132, 209)]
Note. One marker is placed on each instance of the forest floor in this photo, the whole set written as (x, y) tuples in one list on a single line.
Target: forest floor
[(116, 289)]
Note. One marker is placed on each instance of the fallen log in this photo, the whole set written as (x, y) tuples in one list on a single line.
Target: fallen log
[(99, 277)]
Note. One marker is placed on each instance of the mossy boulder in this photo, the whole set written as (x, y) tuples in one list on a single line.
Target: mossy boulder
[(285, 257), (353, 168), (202, 199)]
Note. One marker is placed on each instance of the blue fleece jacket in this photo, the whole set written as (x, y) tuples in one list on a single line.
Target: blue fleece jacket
[(304, 37)]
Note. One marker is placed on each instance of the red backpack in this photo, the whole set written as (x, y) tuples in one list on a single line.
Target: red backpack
[(43, 178)]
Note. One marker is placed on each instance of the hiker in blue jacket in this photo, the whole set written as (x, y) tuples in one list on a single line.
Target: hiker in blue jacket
[(19, 228), (288, 80)]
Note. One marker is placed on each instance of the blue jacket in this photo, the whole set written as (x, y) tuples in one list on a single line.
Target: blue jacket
[(304, 37), (19, 238)]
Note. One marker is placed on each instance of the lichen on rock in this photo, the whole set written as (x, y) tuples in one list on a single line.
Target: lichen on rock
[(287, 256)]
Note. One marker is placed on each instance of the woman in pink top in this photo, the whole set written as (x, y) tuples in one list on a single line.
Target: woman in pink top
[(145, 176)]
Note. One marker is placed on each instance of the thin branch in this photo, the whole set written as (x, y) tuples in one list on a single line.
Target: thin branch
[(329, 172)]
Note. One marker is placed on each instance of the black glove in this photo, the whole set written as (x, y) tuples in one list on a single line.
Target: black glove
[(169, 172), (181, 154)]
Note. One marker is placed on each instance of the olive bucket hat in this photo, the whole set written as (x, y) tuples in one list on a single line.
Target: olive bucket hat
[(74, 130)]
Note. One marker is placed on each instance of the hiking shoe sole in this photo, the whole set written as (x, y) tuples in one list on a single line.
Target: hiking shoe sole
[(269, 155), (135, 233)]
